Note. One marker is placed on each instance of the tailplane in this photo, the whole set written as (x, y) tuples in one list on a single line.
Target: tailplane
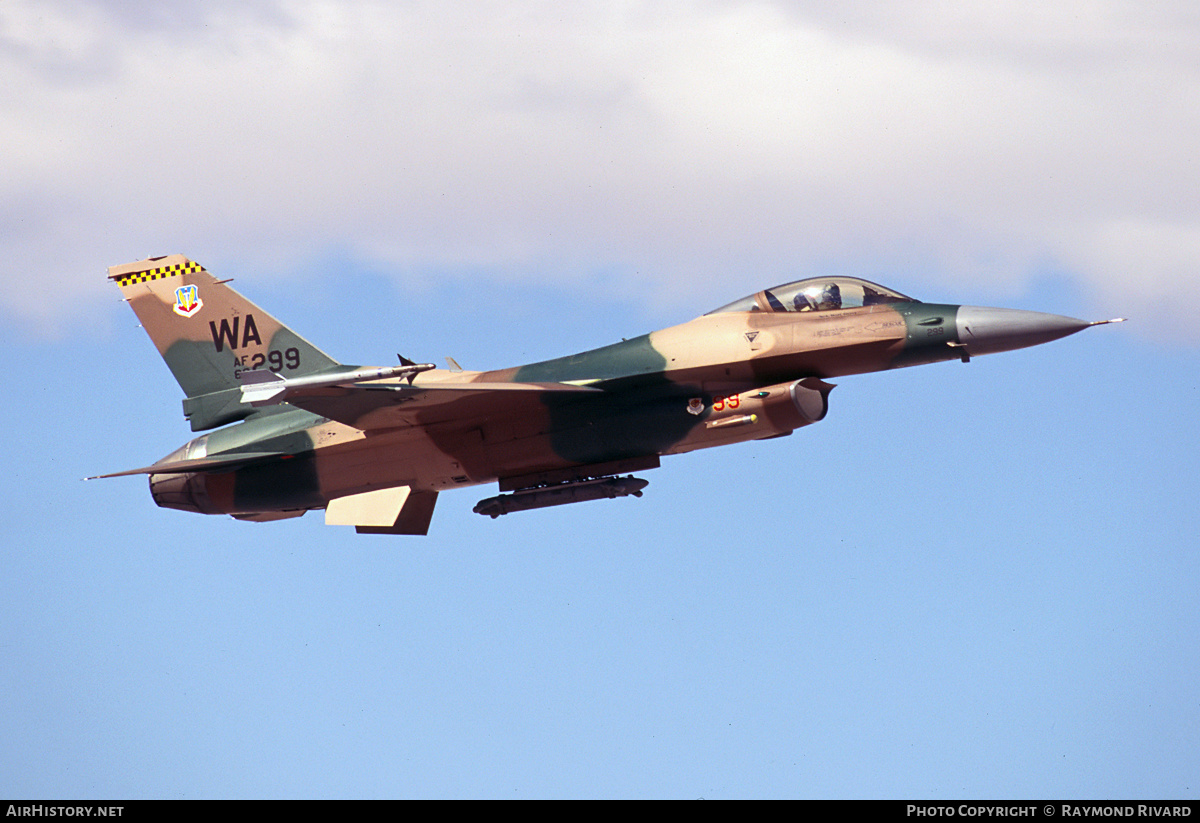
[(208, 334)]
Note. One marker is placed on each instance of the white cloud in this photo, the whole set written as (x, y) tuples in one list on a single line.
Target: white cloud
[(713, 144)]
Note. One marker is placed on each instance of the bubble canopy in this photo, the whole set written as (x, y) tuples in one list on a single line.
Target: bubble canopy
[(818, 294)]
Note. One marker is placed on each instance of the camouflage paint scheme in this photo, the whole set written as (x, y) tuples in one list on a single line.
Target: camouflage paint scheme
[(375, 453)]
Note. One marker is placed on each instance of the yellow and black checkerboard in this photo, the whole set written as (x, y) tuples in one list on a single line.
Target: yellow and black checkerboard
[(158, 274)]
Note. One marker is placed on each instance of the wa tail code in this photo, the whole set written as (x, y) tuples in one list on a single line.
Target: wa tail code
[(228, 333)]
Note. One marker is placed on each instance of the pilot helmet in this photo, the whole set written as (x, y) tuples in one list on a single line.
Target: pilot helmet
[(830, 297), (819, 298)]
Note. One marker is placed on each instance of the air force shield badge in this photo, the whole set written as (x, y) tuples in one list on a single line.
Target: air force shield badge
[(187, 301)]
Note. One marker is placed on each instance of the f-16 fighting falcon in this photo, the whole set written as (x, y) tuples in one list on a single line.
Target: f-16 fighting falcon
[(292, 429)]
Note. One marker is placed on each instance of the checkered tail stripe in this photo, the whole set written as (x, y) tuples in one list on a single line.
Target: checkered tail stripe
[(158, 274)]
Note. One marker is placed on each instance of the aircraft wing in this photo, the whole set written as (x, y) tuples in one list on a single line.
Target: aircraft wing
[(370, 407)]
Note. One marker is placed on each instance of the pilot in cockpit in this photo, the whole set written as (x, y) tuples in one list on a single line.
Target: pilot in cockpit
[(819, 298)]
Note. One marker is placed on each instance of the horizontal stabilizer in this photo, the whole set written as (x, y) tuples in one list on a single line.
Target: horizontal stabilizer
[(204, 464)]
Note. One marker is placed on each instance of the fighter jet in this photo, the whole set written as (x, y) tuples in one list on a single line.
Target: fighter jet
[(293, 430)]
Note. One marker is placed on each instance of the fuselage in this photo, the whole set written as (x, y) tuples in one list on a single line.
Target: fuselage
[(293, 429), (722, 378)]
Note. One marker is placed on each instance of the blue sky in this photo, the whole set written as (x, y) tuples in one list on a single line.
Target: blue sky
[(967, 581)]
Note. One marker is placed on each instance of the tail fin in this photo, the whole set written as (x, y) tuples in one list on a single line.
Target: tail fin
[(208, 334)]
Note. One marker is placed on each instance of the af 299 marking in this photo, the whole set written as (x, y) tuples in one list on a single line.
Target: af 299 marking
[(275, 360)]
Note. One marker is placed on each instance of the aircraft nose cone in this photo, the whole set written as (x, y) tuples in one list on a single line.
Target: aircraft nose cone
[(984, 331)]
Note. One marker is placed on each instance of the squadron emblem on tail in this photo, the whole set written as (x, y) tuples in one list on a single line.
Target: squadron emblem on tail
[(187, 301)]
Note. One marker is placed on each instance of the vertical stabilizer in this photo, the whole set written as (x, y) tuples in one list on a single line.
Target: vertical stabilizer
[(208, 334)]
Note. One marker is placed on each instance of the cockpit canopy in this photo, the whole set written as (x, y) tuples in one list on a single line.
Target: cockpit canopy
[(818, 294)]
